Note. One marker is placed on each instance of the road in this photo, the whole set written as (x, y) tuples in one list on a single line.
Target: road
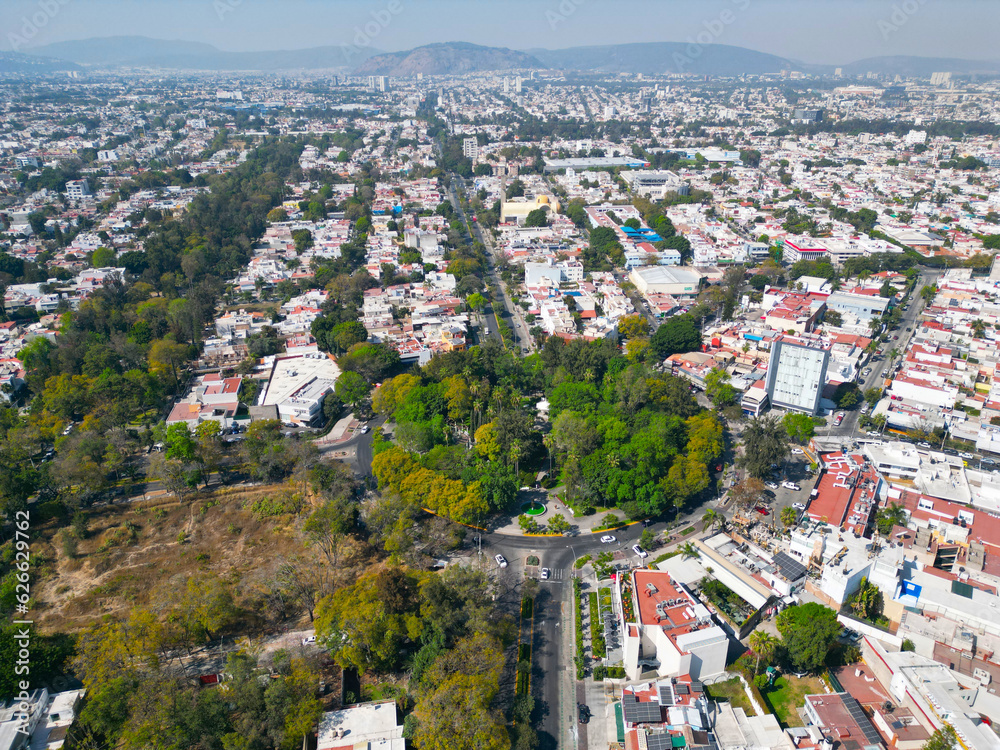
[(847, 430), (554, 682)]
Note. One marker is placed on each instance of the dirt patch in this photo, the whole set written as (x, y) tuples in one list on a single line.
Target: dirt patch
[(143, 553)]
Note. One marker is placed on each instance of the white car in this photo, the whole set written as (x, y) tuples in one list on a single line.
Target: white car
[(965, 455), (501, 561), (639, 551), (608, 539), (791, 486), (771, 485), (309, 639), (798, 506), (545, 574), (797, 451)]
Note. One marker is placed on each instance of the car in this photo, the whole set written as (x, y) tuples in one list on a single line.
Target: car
[(364, 429), (545, 574), (584, 713), (639, 551), (839, 419), (797, 451), (868, 371), (608, 539), (308, 640), (771, 485), (646, 523), (798, 506), (989, 461), (791, 486), (873, 433), (923, 445), (501, 561), (965, 455), (763, 511), (486, 331)]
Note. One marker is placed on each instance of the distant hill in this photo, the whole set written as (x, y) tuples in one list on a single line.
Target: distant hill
[(655, 58), (142, 52), (15, 62), (452, 58), (920, 67)]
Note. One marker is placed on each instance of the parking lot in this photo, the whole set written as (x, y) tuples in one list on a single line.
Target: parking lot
[(795, 470)]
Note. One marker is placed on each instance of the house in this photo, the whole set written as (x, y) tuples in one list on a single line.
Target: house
[(366, 726), (666, 629)]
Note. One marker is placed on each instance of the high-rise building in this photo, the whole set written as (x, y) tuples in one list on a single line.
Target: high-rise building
[(378, 83), (470, 148), (807, 116), (517, 85), (506, 85), (796, 375)]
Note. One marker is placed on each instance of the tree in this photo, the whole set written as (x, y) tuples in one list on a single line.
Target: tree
[(888, 517), (747, 493), (764, 646), (303, 239), (276, 215), (677, 335), (789, 516), (867, 601), (688, 550), (808, 632), (711, 519), (944, 738), (633, 326), (873, 395), (833, 318), (347, 334), (537, 218), (765, 443), (167, 356), (847, 395), (476, 301), (351, 388), (718, 388), (647, 539), (558, 524), (103, 257), (800, 427)]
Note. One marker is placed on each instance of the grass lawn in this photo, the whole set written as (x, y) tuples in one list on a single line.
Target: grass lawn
[(788, 694), (731, 691), (688, 530)]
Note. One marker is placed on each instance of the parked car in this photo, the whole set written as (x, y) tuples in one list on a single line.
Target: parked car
[(839, 419), (989, 461), (771, 485), (798, 506), (608, 539), (763, 511), (639, 551), (965, 455), (923, 445), (797, 451), (309, 639), (584, 712), (501, 561), (791, 486), (546, 573)]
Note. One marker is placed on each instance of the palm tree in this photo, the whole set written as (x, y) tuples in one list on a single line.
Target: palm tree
[(711, 519), (978, 328), (688, 550), (764, 645)]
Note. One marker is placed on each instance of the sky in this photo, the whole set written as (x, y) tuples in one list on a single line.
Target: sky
[(813, 31)]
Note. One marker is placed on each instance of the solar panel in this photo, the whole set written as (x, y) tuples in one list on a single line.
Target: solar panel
[(666, 696), (696, 686), (790, 568), (641, 713), (861, 718), (682, 689), (659, 742)]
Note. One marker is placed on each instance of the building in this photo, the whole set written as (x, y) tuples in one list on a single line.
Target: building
[(802, 248), (861, 306), (653, 183), (366, 726), (378, 83), (470, 148), (796, 375), (841, 716), (77, 190), (677, 282), (517, 209), (298, 386), (211, 398), (666, 629), (803, 116)]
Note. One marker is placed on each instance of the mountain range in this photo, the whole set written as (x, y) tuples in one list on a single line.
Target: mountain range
[(456, 58)]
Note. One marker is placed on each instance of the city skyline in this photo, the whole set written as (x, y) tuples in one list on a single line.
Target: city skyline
[(828, 31)]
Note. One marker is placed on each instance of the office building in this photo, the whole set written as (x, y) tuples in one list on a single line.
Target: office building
[(470, 148), (796, 375)]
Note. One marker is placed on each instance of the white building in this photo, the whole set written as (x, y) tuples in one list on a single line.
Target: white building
[(77, 190), (366, 726), (299, 385), (796, 376)]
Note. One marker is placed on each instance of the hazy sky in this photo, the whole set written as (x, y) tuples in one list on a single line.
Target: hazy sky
[(821, 31)]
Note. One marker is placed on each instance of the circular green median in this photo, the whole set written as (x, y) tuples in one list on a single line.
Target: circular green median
[(533, 508)]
